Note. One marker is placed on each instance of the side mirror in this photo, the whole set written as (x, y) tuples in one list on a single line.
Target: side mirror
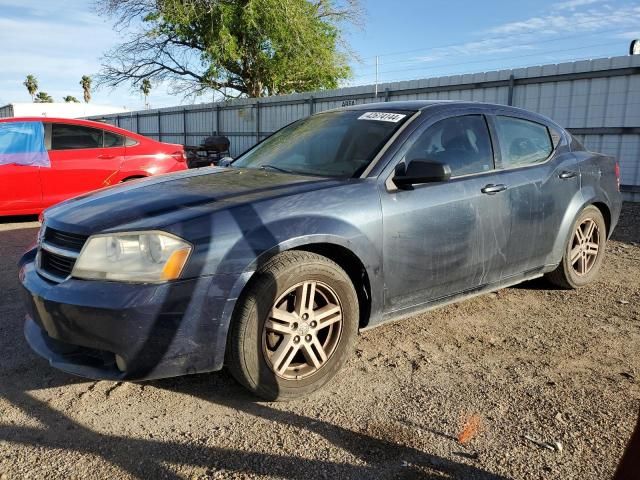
[(421, 171)]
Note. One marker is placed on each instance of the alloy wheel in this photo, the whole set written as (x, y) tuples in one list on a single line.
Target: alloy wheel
[(585, 246), (303, 330)]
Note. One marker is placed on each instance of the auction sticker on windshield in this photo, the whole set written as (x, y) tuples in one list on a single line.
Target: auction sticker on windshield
[(382, 116)]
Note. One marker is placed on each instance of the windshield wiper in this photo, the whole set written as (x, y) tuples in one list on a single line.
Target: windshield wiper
[(279, 169)]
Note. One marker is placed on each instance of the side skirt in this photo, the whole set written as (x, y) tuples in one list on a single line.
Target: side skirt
[(457, 297)]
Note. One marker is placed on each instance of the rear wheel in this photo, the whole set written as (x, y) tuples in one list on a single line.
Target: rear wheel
[(584, 251), (294, 327)]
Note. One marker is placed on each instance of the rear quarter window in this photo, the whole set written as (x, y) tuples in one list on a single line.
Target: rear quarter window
[(522, 142)]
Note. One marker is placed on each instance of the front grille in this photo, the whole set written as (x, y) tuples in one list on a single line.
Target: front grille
[(57, 253), (60, 239), (56, 265)]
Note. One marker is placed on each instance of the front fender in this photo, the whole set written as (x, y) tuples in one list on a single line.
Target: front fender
[(256, 247)]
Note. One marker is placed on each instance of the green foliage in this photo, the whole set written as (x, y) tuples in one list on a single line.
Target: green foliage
[(251, 47), (43, 97), (31, 83), (145, 87), (70, 99), (85, 83)]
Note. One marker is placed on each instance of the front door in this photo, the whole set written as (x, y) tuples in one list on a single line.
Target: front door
[(80, 162), (444, 238)]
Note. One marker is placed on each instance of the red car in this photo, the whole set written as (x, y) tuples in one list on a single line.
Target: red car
[(82, 156)]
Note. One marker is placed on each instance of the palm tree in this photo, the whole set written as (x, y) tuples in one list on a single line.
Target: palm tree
[(32, 86), (145, 87), (43, 97), (70, 99), (86, 87)]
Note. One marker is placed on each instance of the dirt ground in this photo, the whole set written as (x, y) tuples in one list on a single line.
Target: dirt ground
[(557, 366)]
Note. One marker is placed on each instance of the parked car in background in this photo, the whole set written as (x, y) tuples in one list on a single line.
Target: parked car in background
[(339, 222), (82, 156)]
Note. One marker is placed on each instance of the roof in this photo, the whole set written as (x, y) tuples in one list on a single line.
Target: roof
[(76, 121), (416, 105)]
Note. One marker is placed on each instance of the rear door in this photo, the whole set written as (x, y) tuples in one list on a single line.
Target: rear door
[(82, 159), (542, 177), (449, 237)]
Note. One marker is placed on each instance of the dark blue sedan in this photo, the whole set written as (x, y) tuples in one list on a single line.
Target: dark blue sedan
[(336, 223)]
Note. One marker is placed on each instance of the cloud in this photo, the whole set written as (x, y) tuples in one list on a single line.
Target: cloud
[(632, 35), (59, 42), (573, 4), (582, 21)]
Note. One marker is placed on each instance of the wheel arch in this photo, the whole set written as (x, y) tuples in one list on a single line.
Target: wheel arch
[(579, 202), (354, 267), (606, 214)]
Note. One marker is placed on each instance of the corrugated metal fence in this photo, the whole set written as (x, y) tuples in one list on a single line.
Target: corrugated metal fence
[(597, 100)]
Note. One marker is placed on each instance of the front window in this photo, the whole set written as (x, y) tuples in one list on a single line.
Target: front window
[(332, 144), (73, 137), (462, 142)]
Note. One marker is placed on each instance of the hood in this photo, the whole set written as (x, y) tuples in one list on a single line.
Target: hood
[(166, 199)]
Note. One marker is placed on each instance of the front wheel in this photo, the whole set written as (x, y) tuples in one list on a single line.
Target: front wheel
[(584, 251), (294, 327)]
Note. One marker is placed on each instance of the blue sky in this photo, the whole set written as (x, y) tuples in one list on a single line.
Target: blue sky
[(61, 41)]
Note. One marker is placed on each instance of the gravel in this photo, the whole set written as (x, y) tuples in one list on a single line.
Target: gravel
[(559, 367)]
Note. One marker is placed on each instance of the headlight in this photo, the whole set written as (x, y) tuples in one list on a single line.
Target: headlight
[(132, 257)]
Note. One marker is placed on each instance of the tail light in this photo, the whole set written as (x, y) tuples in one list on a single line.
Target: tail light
[(617, 170), (179, 156)]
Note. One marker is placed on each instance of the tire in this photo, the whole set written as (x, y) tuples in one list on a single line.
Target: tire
[(260, 345), (574, 275)]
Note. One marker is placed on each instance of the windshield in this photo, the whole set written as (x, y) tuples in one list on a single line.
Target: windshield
[(332, 144)]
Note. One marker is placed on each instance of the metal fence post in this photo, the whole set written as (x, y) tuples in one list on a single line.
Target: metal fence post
[(387, 94), (137, 122), (311, 105), (184, 126), (159, 128), (257, 121), (512, 84), (218, 130)]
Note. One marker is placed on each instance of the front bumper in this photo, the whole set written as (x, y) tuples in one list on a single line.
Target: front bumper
[(157, 331)]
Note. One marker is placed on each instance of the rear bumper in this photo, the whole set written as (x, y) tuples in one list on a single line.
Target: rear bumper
[(157, 331)]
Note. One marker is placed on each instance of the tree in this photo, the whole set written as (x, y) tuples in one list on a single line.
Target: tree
[(236, 47), (43, 97), (31, 83), (145, 87), (85, 82), (70, 99)]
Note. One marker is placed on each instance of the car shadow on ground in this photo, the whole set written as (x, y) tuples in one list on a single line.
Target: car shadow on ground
[(147, 458)]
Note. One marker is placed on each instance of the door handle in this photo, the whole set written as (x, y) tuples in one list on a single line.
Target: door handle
[(492, 189), (106, 156), (567, 174)]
